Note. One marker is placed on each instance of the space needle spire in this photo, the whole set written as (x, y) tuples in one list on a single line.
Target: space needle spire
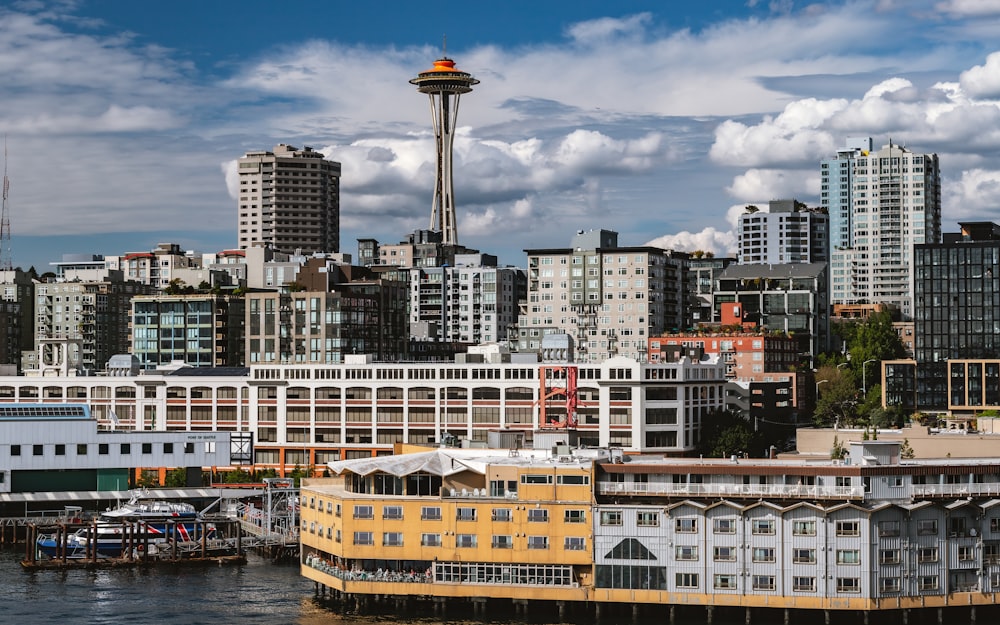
[(444, 84)]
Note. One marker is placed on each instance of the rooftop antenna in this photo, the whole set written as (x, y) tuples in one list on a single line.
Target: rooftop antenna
[(6, 263)]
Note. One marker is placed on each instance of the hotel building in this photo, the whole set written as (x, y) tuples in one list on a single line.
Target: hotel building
[(870, 533)]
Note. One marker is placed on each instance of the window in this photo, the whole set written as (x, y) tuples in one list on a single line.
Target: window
[(430, 540), (575, 543), (465, 514), (888, 528), (927, 582), (15, 450), (538, 515), (430, 513), (763, 582), (364, 512), (848, 556), (724, 526), (966, 554), (686, 580), (102, 449), (502, 542), (804, 556), (763, 526), (168, 448), (611, 517), (686, 552), (763, 554), (848, 528), (39, 450), (995, 525), (803, 584), (686, 526), (575, 516), (725, 582), (126, 448), (392, 512), (81, 449), (725, 554), (804, 528), (927, 554), (538, 542), (147, 448), (466, 541), (364, 538), (851, 584), (888, 584), (501, 514), (927, 527), (60, 449), (889, 556), (647, 518), (536, 479), (392, 539)]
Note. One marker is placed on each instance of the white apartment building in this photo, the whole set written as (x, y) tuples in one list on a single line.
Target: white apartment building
[(610, 299), (881, 203), (289, 199), (473, 301), (788, 232)]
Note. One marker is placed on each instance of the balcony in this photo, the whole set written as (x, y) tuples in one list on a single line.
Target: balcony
[(773, 491)]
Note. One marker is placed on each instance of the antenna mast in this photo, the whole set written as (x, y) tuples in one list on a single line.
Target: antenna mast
[(6, 262)]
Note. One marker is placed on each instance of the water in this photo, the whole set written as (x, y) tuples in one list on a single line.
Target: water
[(262, 593)]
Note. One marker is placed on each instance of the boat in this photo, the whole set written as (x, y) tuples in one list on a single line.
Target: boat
[(139, 524)]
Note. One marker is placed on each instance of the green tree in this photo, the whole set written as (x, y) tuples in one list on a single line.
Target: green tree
[(176, 479), (239, 476), (905, 450), (726, 433), (148, 479), (877, 340), (838, 451), (836, 404)]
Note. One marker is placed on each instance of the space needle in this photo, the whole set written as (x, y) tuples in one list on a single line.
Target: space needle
[(445, 84)]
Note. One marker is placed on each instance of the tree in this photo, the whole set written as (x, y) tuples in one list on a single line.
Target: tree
[(726, 433), (875, 339), (905, 450), (752, 208), (838, 451), (176, 479), (239, 476)]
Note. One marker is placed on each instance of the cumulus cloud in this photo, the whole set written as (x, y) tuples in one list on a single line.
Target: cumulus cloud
[(983, 81), (718, 242), (605, 28), (973, 194), (774, 184)]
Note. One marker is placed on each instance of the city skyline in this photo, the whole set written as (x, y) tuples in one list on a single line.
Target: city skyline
[(124, 123)]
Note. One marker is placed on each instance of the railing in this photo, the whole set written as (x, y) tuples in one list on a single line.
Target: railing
[(732, 490), (990, 489)]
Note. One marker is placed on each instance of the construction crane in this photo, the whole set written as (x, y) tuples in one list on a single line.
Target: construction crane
[(555, 381)]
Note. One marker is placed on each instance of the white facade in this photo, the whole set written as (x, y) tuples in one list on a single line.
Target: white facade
[(347, 410), (881, 203), (787, 232)]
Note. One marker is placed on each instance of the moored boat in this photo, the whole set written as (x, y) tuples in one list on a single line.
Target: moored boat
[(138, 524)]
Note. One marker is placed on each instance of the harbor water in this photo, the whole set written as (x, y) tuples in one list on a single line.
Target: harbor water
[(262, 593)]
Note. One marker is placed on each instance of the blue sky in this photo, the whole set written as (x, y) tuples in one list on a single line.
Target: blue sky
[(660, 120)]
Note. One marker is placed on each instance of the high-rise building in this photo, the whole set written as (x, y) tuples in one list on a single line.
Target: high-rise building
[(472, 301), (609, 299), (880, 205), (788, 232), (444, 84), (289, 200), (957, 319)]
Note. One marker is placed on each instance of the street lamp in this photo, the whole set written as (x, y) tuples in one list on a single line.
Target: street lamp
[(864, 385), (817, 387)]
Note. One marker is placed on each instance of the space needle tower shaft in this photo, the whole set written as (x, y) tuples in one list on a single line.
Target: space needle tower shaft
[(444, 84)]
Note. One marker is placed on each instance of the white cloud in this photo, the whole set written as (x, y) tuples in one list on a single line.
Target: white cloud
[(983, 81), (973, 195), (602, 29), (774, 184), (969, 8), (708, 240)]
